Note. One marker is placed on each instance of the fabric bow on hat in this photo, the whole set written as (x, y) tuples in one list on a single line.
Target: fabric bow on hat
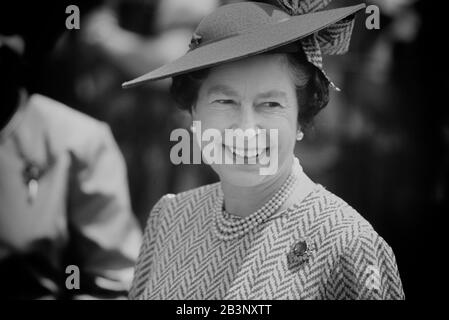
[(334, 39)]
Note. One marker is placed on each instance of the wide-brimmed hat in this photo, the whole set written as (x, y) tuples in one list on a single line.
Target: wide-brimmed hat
[(239, 30)]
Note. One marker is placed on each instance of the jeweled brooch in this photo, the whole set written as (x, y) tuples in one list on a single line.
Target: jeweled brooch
[(32, 172), (300, 253)]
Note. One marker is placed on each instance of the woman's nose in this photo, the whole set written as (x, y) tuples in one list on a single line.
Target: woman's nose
[(247, 118)]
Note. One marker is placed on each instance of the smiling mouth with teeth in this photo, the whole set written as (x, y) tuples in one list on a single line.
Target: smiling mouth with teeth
[(247, 154)]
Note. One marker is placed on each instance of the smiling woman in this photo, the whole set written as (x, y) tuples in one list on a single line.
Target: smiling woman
[(254, 93), (257, 68)]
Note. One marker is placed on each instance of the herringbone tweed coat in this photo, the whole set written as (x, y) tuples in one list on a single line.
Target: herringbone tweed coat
[(181, 258)]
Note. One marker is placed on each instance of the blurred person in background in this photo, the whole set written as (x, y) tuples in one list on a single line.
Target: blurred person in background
[(63, 187)]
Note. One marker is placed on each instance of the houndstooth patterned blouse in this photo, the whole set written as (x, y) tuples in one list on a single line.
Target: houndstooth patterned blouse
[(345, 258)]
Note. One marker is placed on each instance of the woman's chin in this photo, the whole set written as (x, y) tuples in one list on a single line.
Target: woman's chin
[(242, 175)]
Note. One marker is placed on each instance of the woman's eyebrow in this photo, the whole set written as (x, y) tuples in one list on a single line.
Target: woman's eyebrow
[(223, 89), (272, 94)]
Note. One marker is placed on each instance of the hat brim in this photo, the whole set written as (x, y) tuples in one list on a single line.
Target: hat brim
[(240, 46)]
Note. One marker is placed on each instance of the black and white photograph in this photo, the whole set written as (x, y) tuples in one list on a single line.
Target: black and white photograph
[(219, 151)]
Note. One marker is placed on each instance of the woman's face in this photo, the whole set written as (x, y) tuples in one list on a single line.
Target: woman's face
[(253, 93)]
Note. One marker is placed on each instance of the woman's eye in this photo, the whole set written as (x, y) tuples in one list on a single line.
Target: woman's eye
[(224, 101), (271, 104)]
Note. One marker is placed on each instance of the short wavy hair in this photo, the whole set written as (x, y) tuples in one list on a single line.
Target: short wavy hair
[(312, 96)]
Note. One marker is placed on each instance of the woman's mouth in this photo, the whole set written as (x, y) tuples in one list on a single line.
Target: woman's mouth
[(247, 155)]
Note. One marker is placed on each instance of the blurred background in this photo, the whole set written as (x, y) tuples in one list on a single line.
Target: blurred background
[(382, 143)]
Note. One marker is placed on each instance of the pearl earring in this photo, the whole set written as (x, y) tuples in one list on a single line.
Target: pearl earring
[(299, 135)]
